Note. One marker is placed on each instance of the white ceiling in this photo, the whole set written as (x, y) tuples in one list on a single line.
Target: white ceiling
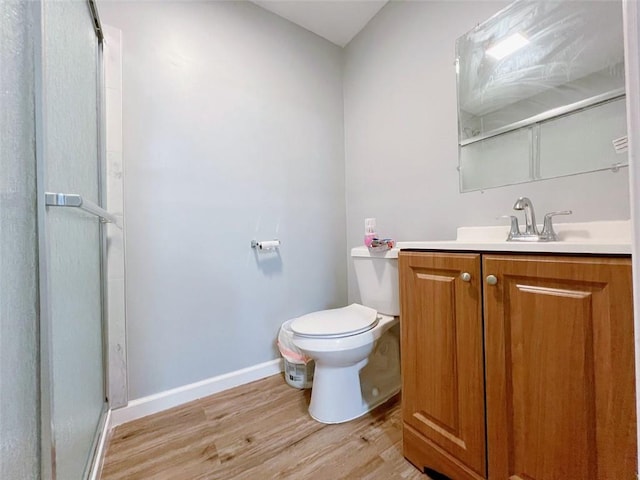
[(336, 20)]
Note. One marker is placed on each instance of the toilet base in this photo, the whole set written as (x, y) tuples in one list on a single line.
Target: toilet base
[(342, 394), (356, 410), (335, 395)]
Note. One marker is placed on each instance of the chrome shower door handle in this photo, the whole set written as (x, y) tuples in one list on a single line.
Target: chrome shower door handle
[(74, 200)]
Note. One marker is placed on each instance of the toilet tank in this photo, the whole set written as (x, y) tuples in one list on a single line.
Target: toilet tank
[(377, 275)]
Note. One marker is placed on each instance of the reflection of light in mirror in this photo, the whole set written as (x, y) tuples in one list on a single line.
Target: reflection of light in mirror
[(507, 46)]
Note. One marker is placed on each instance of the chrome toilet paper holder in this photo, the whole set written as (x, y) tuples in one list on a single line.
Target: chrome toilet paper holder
[(265, 244)]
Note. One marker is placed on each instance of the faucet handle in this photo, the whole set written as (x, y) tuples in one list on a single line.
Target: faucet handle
[(548, 234), (514, 231)]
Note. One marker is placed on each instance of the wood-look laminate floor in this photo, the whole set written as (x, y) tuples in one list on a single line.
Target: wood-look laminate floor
[(258, 431)]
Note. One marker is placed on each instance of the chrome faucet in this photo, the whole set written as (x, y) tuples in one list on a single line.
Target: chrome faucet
[(514, 231), (531, 233), (524, 203), (548, 234)]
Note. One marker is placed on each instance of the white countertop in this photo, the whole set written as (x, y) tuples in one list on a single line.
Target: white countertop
[(611, 237)]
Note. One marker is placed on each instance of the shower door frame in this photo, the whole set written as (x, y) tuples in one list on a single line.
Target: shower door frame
[(47, 439)]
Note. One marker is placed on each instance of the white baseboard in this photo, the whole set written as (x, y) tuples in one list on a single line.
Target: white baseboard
[(158, 402)]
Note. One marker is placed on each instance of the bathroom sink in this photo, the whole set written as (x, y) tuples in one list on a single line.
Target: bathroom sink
[(610, 237)]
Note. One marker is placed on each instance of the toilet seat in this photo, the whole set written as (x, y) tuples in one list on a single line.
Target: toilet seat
[(336, 323)]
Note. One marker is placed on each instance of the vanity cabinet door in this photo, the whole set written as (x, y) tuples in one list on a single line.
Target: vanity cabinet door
[(442, 363), (560, 368)]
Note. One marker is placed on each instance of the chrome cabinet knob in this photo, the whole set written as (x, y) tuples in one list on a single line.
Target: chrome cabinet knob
[(465, 276), (492, 279)]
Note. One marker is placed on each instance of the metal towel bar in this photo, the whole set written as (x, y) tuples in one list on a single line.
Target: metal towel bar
[(75, 200)]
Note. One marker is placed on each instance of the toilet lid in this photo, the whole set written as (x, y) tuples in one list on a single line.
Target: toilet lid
[(338, 322)]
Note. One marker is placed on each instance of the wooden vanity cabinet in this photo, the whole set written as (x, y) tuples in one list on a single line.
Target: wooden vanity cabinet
[(443, 406), (544, 356)]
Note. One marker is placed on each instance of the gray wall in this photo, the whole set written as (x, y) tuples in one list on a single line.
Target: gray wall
[(401, 135), (19, 393), (234, 126), (232, 131)]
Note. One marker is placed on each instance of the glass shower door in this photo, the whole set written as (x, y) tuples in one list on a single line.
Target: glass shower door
[(71, 239)]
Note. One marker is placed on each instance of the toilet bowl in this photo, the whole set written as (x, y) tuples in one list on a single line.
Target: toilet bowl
[(355, 348)]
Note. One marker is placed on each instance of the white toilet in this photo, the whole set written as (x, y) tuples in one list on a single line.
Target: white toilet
[(355, 348)]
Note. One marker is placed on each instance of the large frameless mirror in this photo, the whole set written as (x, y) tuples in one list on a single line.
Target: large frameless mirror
[(541, 93)]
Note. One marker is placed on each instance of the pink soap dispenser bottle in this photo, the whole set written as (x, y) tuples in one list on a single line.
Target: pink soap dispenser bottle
[(369, 231)]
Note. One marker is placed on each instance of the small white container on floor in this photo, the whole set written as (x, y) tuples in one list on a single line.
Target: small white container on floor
[(298, 367), (299, 375)]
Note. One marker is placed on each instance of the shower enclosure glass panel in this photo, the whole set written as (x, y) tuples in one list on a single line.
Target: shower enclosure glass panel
[(73, 238)]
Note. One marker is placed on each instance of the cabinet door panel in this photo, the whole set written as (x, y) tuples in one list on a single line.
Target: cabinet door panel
[(442, 366), (560, 373)]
